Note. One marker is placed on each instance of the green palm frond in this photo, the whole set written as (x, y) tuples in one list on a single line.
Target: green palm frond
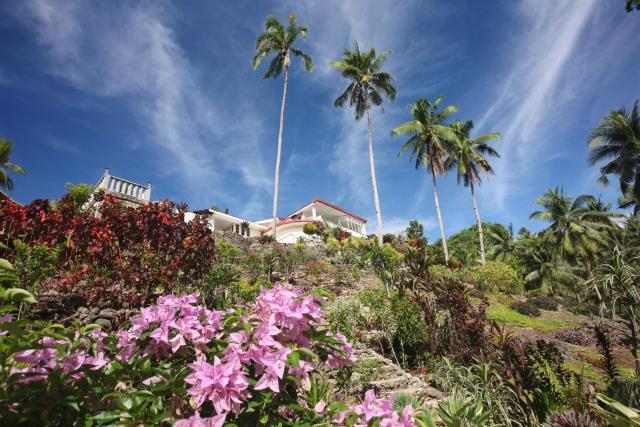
[(279, 41), (580, 227), (429, 135), (6, 146), (616, 140), (467, 154), (368, 83)]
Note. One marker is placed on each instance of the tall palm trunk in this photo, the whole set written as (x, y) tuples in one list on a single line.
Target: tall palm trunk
[(437, 203), (277, 177), (480, 233), (374, 185)]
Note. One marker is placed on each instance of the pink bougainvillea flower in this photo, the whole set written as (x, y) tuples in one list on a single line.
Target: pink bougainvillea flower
[(224, 384)]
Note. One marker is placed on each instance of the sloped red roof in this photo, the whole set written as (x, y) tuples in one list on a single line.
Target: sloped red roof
[(324, 202)]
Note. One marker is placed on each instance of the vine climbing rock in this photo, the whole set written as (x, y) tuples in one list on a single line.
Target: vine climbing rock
[(392, 379)]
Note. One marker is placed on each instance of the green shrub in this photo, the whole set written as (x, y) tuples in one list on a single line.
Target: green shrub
[(388, 238), (228, 251), (332, 246), (544, 302), (494, 276), (584, 308), (399, 319), (375, 299), (385, 261), (346, 316), (214, 283), (310, 229), (411, 330), (526, 308), (245, 291), (34, 264)]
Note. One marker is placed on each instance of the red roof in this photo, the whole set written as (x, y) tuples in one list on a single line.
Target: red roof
[(324, 202)]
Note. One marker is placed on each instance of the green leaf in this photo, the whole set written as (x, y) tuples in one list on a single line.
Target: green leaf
[(294, 358), (19, 295), (106, 416), (6, 265), (125, 403)]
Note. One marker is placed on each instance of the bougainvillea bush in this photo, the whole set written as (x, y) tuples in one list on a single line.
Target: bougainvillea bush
[(179, 362), (121, 257)]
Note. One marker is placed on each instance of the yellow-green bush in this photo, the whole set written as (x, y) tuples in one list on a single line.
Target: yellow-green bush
[(333, 245), (245, 291), (310, 229), (494, 276)]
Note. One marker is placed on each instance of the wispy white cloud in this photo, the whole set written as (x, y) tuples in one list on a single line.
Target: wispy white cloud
[(389, 25), (559, 54), (130, 51)]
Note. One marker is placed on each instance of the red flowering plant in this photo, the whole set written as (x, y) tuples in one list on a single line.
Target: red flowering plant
[(343, 235), (180, 362), (123, 256)]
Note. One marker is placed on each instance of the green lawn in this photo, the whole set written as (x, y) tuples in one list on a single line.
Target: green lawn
[(503, 314)]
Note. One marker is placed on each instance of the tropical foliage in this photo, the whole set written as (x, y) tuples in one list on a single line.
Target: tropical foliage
[(616, 141), (467, 155), (279, 41), (429, 145), (6, 146), (118, 315), (368, 84)]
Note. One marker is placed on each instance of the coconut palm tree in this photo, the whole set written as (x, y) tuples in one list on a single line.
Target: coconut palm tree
[(429, 145), (616, 140), (279, 40), (546, 271), (503, 242), (368, 83), (6, 145), (468, 156), (576, 230)]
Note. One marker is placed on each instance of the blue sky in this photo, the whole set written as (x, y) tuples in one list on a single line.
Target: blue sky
[(164, 92)]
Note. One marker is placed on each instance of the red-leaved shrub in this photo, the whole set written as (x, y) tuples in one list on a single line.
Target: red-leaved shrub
[(122, 257)]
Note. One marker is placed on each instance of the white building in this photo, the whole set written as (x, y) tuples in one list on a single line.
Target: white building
[(128, 192), (220, 221), (289, 229)]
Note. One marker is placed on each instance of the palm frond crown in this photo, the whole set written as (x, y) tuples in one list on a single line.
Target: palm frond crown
[(369, 84), (278, 40), (429, 136)]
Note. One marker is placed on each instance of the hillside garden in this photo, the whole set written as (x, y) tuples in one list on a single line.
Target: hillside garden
[(114, 315)]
